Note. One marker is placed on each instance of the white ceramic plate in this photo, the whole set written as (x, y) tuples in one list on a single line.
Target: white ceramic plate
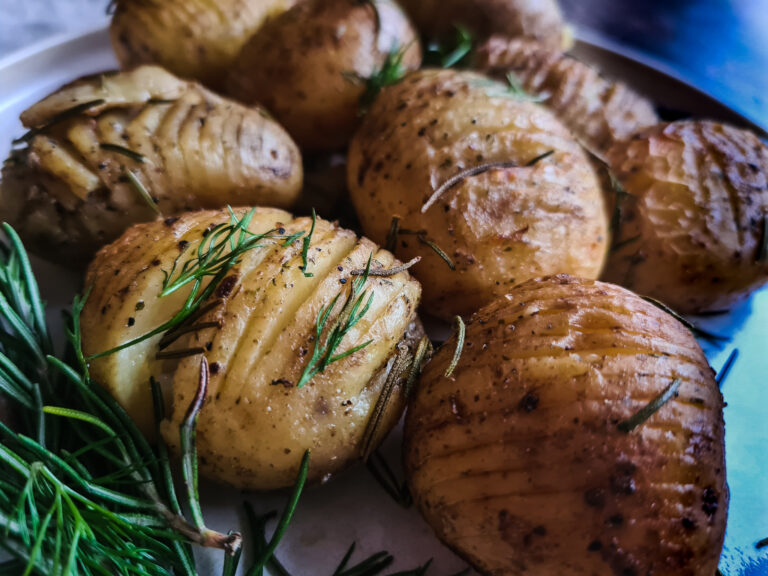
[(352, 507)]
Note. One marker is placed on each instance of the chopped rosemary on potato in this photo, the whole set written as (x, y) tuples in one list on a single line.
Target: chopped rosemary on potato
[(58, 118), (391, 72), (305, 247), (461, 331), (386, 272), (135, 156), (394, 230), (641, 416), (695, 330), (355, 307), (142, 191), (448, 55), (421, 236)]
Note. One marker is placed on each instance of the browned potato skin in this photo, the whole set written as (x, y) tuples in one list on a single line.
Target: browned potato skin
[(256, 424), (516, 460), (693, 231), (598, 111), (308, 66), (67, 195), (539, 20), (501, 227), (196, 39)]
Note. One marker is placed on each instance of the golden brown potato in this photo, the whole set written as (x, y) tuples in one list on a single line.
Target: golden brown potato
[(196, 39), (259, 335), (308, 67), (598, 111), (114, 149), (447, 152), (523, 461), (694, 232), (535, 19)]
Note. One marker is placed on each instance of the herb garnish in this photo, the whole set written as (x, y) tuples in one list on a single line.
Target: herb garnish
[(725, 370), (387, 272), (381, 471), (461, 331), (450, 55), (135, 156), (142, 191), (695, 330), (640, 417), (305, 247), (421, 236), (354, 309), (58, 118), (390, 73)]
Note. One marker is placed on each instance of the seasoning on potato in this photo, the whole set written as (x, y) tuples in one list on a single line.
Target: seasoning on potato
[(539, 20), (598, 111), (488, 188), (113, 149), (315, 65), (303, 337), (580, 433), (693, 229), (193, 39)]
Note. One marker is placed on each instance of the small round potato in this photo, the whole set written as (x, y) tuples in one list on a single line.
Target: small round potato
[(694, 231), (258, 331), (599, 112), (550, 449), (494, 182), (539, 20), (310, 65), (111, 150), (195, 39)]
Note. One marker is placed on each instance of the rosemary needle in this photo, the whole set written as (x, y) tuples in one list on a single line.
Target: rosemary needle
[(640, 417), (726, 369), (135, 156), (142, 191), (461, 330), (305, 247), (695, 330)]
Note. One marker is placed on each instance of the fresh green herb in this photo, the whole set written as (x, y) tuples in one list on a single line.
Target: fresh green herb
[(513, 89), (424, 349), (762, 253), (649, 409), (381, 471), (135, 156), (448, 55), (143, 193), (394, 230), (82, 490), (325, 350), (432, 245), (725, 370), (390, 73), (387, 272), (476, 171), (695, 330), (58, 118), (461, 331), (221, 250), (371, 566), (305, 247)]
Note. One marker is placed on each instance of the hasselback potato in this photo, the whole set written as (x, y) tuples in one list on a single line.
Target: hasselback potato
[(541, 20), (267, 402), (597, 110), (495, 182), (310, 65), (192, 38), (693, 231), (580, 433), (113, 149)]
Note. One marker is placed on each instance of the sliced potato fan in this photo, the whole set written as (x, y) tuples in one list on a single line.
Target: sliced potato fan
[(268, 400), (114, 149)]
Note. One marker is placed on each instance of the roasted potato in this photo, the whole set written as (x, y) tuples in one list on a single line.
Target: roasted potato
[(194, 39), (310, 65), (258, 331), (580, 433), (114, 149), (540, 20), (449, 154), (598, 111), (693, 231)]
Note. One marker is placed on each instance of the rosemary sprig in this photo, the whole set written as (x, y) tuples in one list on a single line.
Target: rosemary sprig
[(220, 251), (390, 73), (305, 247), (461, 331), (387, 272), (695, 330), (142, 191), (354, 308), (423, 351), (421, 236), (381, 471), (117, 149), (726, 369), (762, 543), (448, 55), (642, 415), (59, 118), (476, 171)]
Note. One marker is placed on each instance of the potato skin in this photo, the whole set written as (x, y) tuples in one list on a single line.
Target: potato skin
[(195, 39), (302, 65), (598, 111), (694, 229), (256, 424), (67, 195), (516, 460), (539, 20), (501, 227)]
